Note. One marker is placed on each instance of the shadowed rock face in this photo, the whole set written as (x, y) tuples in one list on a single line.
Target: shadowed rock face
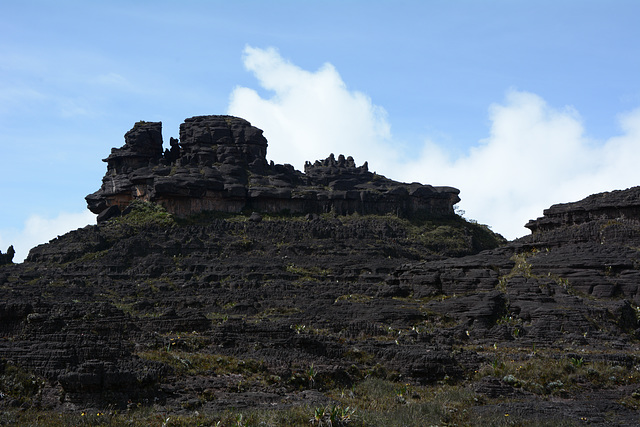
[(220, 164), (222, 311), (8, 257), (620, 205)]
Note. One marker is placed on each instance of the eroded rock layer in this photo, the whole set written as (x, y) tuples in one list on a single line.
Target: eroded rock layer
[(220, 164), (620, 205), (149, 312)]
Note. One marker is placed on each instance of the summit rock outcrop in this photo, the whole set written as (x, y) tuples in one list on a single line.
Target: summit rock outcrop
[(219, 164)]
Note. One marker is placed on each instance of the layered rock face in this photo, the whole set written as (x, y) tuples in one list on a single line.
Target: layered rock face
[(90, 311), (272, 312), (620, 205), (128, 312), (220, 164)]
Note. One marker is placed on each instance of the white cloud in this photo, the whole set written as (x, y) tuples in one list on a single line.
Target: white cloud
[(38, 230), (535, 155), (311, 114)]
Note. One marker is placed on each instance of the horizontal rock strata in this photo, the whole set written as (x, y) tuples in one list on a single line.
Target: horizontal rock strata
[(219, 164), (268, 312), (620, 205)]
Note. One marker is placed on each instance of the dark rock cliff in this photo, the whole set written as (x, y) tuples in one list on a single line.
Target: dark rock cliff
[(615, 205), (188, 317), (220, 164)]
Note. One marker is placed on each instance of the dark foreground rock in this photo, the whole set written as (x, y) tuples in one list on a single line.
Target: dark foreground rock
[(324, 318), (219, 312), (231, 311)]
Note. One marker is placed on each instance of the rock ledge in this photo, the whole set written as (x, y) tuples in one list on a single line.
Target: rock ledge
[(219, 164), (613, 205)]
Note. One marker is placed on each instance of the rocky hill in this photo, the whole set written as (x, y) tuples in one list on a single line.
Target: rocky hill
[(332, 313)]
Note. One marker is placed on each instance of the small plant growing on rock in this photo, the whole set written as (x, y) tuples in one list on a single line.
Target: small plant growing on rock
[(577, 363), (239, 421), (318, 416), (299, 328), (311, 375), (522, 265), (336, 415), (497, 366), (401, 393), (341, 416)]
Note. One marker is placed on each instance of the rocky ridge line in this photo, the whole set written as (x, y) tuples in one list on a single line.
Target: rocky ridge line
[(619, 205), (219, 164)]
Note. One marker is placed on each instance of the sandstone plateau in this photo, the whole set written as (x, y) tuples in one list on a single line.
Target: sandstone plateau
[(220, 289)]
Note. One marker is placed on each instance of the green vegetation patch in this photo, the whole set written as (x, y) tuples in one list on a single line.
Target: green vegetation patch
[(454, 235), (378, 402), (145, 214), (550, 374), (198, 363), (293, 416), (19, 385)]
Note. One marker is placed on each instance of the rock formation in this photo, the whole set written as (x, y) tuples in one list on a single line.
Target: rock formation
[(8, 257), (428, 319), (615, 205), (220, 164)]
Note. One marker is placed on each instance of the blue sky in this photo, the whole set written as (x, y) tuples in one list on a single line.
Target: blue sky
[(518, 104)]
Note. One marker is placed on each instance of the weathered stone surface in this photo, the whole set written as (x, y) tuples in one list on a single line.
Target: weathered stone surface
[(85, 309), (620, 205), (494, 387), (237, 310), (8, 257), (553, 283), (220, 164)]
